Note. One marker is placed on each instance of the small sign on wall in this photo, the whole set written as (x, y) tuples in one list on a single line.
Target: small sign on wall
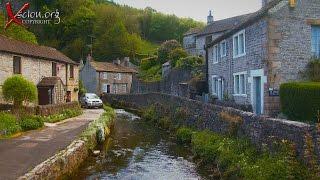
[(273, 92)]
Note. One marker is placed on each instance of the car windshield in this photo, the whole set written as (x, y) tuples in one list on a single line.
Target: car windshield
[(92, 96)]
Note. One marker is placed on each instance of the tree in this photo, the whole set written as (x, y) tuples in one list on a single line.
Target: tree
[(19, 90), (166, 48), (177, 54)]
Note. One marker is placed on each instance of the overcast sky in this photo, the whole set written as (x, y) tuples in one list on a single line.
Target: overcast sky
[(198, 9)]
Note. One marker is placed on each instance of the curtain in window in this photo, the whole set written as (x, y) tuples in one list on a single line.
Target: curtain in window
[(316, 41)]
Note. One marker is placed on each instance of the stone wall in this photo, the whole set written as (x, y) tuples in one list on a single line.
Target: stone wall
[(259, 129), (45, 110)]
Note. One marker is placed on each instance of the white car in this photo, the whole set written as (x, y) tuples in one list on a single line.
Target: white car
[(90, 100)]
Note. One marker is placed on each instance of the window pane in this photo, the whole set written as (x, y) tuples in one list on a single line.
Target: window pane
[(235, 44), (243, 85), (71, 71), (16, 65), (241, 44), (237, 86), (315, 40), (54, 69)]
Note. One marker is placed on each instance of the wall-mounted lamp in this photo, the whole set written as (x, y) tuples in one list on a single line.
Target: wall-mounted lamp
[(292, 3)]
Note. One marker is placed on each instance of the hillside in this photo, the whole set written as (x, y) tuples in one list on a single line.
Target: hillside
[(117, 30)]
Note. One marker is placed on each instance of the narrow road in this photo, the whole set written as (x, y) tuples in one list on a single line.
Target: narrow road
[(20, 155)]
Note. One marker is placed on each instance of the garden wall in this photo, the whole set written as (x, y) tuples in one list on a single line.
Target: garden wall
[(261, 130), (44, 110)]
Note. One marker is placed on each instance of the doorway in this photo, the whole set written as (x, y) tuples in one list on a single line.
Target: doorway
[(257, 92), (220, 89), (45, 95)]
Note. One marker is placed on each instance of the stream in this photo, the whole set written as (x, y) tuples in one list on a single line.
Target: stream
[(136, 150)]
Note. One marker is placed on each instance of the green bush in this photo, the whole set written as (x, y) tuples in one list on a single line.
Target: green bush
[(147, 63), (238, 159), (300, 101), (68, 113), (8, 124), (18, 90), (152, 74), (184, 135), (166, 48), (150, 114), (177, 54), (189, 62), (31, 122), (313, 70)]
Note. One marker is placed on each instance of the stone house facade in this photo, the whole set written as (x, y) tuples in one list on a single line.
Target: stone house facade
[(250, 62), (104, 77), (36, 63), (195, 39)]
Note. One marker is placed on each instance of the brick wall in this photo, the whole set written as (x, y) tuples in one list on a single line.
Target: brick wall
[(259, 129)]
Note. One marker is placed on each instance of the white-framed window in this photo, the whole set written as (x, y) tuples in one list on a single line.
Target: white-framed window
[(215, 54), (315, 41), (214, 85), (223, 48), (118, 76), (239, 44), (239, 83), (105, 75)]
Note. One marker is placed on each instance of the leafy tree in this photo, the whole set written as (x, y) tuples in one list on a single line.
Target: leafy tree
[(166, 48), (19, 90), (177, 54), (189, 62)]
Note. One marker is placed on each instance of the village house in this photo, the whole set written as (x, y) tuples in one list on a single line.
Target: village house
[(272, 46), (105, 77), (195, 39), (54, 74)]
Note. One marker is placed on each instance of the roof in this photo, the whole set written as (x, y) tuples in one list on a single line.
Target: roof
[(10, 45), (223, 25), (250, 20), (49, 81), (110, 67), (192, 31)]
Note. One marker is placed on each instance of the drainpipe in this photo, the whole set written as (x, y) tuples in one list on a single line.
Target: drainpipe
[(207, 71)]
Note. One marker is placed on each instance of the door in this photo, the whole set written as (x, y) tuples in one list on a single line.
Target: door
[(220, 89), (68, 96), (106, 88), (44, 96), (257, 101)]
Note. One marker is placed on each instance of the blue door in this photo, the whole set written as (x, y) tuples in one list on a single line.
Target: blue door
[(257, 95)]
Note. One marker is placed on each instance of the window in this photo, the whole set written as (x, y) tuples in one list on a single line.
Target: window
[(71, 71), (215, 54), (239, 44), (54, 69), (223, 48), (105, 75), (315, 40), (16, 65), (240, 83), (215, 85), (118, 76)]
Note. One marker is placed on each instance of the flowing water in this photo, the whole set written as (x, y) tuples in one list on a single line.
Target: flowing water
[(137, 150)]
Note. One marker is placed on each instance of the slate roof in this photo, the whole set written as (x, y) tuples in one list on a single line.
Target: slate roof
[(110, 67), (192, 31), (9, 45), (49, 81), (254, 17), (223, 25)]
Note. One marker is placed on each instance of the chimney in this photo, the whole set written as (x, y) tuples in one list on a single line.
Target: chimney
[(210, 18), (117, 61), (89, 58), (126, 61)]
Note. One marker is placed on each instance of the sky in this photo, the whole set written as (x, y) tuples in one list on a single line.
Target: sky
[(198, 9)]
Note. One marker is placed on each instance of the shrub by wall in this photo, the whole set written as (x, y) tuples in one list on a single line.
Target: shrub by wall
[(300, 101), (8, 124), (31, 122)]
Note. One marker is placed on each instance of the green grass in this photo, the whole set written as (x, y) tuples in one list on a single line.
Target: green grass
[(152, 74), (8, 124), (66, 114), (148, 47), (238, 158)]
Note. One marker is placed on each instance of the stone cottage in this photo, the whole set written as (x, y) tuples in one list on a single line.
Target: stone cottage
[(249, 62), (55, 75), (104, 77), (194, 40)]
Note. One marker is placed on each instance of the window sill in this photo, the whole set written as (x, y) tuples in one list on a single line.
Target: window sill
[(240, 55), (240, 95)]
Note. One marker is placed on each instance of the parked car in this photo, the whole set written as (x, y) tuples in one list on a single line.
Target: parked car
[(91, 100)]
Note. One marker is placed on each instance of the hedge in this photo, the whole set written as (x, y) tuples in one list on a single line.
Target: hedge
[(300, 101)]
